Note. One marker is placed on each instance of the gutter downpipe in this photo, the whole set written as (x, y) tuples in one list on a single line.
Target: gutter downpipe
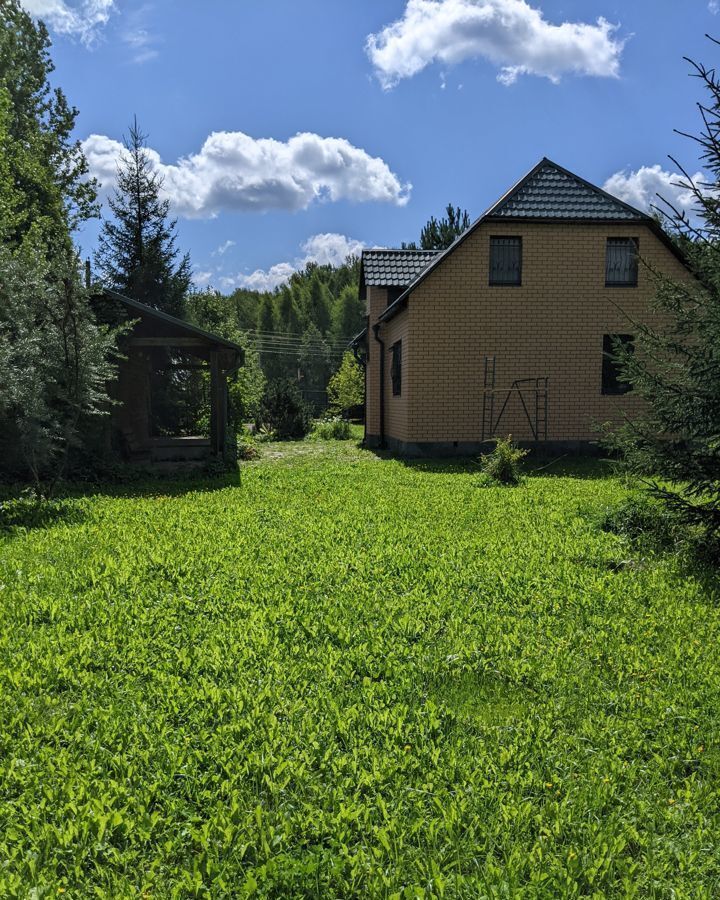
[(376, 333)]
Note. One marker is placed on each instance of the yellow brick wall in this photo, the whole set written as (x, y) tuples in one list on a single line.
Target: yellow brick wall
[(552, 325)]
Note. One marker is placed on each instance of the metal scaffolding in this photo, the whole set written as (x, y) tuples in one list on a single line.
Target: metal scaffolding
[(536, 387)]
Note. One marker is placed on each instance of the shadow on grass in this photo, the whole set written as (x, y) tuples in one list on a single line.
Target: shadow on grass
[(536, 466), (21, 514), (134, 484)]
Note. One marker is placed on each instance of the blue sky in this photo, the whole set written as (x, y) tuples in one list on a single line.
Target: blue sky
[(449, 101)]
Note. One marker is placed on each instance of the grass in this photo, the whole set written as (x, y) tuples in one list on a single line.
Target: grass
[(349, 676)]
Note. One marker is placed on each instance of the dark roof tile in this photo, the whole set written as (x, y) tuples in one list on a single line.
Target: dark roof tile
[(554, 193), (395, 268)]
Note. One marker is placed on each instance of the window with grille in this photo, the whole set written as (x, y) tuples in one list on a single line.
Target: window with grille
[(396, 368), (621, 262), (506, 260), (612, 382)]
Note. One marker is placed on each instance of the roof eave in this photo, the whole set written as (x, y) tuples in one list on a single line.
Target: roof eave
[(173, 320)]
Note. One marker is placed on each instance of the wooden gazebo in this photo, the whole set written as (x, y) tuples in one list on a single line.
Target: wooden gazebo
[(161, 343)]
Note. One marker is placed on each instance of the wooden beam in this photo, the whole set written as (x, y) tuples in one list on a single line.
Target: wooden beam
[(168, 342)]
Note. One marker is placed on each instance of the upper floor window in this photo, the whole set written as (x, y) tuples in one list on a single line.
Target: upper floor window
[(621, 262), (612, 382), (396, 368), (394, 292), (506, 260)]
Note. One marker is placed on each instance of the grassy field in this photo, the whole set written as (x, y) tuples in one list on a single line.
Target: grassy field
[(344, 676)]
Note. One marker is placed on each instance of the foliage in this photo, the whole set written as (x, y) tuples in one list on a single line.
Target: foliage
[(55, 361), (440, 234), (44, 189), (247, 449), (352, 677), (137, 253), (346, 388), (676, 368), (284, 411), (247, 388), (300, 330), (332, 429), (503, 464)]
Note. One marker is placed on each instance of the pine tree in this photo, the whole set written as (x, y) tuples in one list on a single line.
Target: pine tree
[(48, 167), (137, 253), (439, 234), (676, 369)]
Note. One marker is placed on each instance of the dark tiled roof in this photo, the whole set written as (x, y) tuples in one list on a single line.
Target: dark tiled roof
[(395, 268), (551, 192)]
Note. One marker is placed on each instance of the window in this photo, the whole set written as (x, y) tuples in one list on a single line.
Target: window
[(621, 262), (396, 368), (393, 293), (506, 260), (612, 382)]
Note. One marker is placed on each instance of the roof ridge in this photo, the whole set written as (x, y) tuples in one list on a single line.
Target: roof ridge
[(574, 198)]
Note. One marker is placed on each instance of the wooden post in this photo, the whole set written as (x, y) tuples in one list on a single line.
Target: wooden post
[(217, 426)]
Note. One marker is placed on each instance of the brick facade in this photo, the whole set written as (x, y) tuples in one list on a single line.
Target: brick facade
[(551, 326)]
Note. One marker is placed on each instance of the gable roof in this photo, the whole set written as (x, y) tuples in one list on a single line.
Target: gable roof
[(181, 324), (393, 268), (548, 193)]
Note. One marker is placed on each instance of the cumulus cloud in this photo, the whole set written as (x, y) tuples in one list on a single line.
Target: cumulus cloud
[(509, 33), (714, 6), (323, 249), (81, 19), (644, 187), (236, 172)]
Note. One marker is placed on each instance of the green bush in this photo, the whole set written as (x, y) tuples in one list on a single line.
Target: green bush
[(247, 450), (503, 464), (284, 411), (653, 525), (334, 429)]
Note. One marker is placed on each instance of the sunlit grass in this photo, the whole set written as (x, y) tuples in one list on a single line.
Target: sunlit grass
[(349, 676)]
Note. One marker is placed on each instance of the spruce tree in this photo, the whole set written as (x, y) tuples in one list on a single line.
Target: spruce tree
[(137, 253), (675, 369)]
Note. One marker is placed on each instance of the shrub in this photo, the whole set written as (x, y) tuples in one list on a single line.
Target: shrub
[(502, 464), (284, 411), (334, 429), (652, 525), (247, 450)]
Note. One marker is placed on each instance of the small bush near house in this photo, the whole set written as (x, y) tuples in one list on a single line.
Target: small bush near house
[(247, 450), (284, 411), (503, 464), (334, 429)]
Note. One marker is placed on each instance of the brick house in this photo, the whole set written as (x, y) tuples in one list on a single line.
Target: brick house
[(508, 330)]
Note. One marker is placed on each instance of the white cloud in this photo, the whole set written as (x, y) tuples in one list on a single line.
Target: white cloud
[(324, 249), (236, 172), (137, 36), (509, 33), (330, 249), (714, 6), (82, 19), (642, 187), (141, 42), (223, 248), (201, 279)]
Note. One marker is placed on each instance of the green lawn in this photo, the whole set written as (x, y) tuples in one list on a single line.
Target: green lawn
[(346, 676)]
